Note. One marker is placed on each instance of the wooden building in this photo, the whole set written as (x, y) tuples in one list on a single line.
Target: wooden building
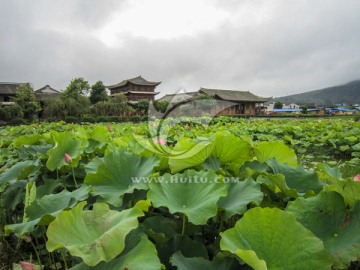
[(135, 89), (46, 92), (235, 102), (7, 92)]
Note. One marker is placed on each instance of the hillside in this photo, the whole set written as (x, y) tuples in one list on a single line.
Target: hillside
[(348, 93)]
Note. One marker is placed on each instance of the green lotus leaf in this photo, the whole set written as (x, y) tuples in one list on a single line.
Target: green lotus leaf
[(189, 247), (270, 238), (277, 183), (356, 147), (239, 196), (140, 257), (44, 210), (27, 140), (229, 148), (212, 163), (278, 150), (187, 153), (96, 235), (327, 217), (118, 173), (65, 143), (183, 263), (297, 177), (97, 138), (159, 228), (192, 193), (13, 195), (19, 171), (348, 188)]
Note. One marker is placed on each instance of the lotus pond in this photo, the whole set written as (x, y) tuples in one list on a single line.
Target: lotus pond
[(181, 194)]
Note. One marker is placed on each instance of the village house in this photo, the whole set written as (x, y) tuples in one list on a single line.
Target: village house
[(135, 89), (227, 102), (8, 92), (46, 92), (235, 102)]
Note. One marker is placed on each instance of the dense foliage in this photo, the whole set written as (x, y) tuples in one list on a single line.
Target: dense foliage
[(225, 195)]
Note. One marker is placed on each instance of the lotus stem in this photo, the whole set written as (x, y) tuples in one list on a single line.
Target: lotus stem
[(183, 224), (64, 259), (73, 175), (37, 254)]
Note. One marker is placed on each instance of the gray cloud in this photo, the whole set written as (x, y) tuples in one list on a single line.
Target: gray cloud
[(270, 50)]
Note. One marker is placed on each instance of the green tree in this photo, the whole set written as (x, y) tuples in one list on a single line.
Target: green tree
[(98, 93), (304, 109), (54, 107), (278, 105), (117, 105), (75, 103), (25, 98), (76, 88), (161, 105), (77, 107), (142, 106)]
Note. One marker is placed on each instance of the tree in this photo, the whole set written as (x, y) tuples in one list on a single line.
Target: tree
[(76, 88), (75, 103), (25, 98), (161, 105), (142, 106), (77, 107), (117, 105), (98, 93), (278, 105), (54, 107), (304, 109)]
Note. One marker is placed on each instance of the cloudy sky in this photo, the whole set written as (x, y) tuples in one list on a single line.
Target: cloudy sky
[(271, 48)]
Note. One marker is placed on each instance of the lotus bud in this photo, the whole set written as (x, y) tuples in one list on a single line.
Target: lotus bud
[(27, 266), (161, 141), (109, 127), (357, 178), (67, 158)]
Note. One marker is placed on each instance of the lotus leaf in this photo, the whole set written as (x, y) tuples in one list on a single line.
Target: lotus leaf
[(94, 235), (183, 263), (229, 148), (65, 143), (192, 193), (239, 196), (119, 172), (268, 150), (140, 257), (187, 154), (326, 216), (271, 239)]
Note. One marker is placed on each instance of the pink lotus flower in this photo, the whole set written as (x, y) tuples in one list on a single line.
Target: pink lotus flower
[(109, 127), (357, 178), (161, 141), (67, 158), (27, 266)]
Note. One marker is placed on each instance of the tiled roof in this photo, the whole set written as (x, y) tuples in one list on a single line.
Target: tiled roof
[(175, 98), (7, 88), (47, 89), (232, 95), (137, 80)]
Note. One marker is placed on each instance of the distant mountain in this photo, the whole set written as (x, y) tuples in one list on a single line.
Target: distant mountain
[(348, 93)]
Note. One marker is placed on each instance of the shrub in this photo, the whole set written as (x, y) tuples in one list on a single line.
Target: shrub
[(18, 121)]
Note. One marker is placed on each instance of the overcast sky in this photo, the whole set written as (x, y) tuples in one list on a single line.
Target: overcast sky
[(271, 48)]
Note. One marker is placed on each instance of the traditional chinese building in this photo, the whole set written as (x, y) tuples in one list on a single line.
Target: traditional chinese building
[(7, 92), (234, 102), (46, 92), (135, 89)]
